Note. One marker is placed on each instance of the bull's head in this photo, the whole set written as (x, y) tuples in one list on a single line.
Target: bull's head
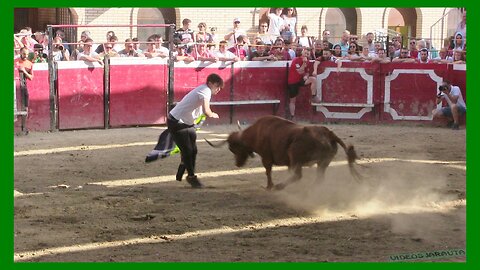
[(237, 147)]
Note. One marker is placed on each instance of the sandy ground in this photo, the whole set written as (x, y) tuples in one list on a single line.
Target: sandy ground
[(88, 196)]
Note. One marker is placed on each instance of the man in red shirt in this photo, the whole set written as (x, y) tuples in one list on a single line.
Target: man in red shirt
[(298, 75)]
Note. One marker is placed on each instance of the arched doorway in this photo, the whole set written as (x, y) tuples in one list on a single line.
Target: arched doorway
[(404, 21), (339, 19), (154, 16)]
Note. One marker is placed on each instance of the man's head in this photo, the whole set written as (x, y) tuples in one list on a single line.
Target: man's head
[(326, 34), (326, 55), (424, 54), (236, 22), (215, 83), (87, 46), (381, 53), (404, 53), (186, 23), (377, 45), (129, 44), (222, 45), (445, 86), (369, 37), (24, 53), (110, 34), (304, 30), (345, 36)]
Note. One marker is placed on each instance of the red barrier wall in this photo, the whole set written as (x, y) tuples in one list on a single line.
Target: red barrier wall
[(39, 104), (365, 92), (80, 95), (138, 91)]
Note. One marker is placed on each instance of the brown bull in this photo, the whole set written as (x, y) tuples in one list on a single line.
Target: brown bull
[(281, 142)]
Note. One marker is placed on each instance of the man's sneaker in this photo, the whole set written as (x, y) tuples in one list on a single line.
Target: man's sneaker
[(180, 172), (193, 181), (455, 127), (450, 124), (316, 99)]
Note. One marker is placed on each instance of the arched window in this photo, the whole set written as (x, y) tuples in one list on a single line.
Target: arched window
[(339, 19)]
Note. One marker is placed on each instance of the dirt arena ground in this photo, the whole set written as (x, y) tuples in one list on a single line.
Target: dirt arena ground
[(88, 196)]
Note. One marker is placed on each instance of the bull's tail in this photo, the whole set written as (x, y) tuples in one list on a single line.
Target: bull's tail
[(351, 157)]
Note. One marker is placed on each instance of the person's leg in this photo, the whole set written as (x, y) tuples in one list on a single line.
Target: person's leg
[(291, 106)]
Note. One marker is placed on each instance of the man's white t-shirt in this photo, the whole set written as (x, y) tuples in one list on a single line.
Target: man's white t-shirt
[(190, 107), (455, 91)]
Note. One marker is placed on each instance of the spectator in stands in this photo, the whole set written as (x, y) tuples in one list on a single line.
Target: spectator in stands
[(42, 39), (100, 47), (261, 53), (397, 43), (462, 25), (455, 105), (318, 48), (182, 55), (202, 35), (264, 36), (423, 56), (304, 40), (298, 76), (234, 32), (213, 34), (377, 46), (370, 44), (443, 57), (354, 38), (24, 39), (59, 52), (337, 51), (344, 42), (289, 31), (108, 50), (458, 57), (291, 52), (201, 53), (326, 36), (135, 45), (61, 34), (151, 50), (459, 42), (223, 54), (38, 56), (238, 49), (276, 23), (113, 41), (326, 57), (412, 48), (88, 55), (365, 54), (352, 53), (391, 51), (279, 51), (159, 48), (433, 51), (129, 50), (184, 34), (381, 57), (404, 57), (421, 44)]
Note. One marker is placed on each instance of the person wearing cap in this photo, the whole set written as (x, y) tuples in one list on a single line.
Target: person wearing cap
[(276, 24), (234, 32), (37, 56), (182, 55)]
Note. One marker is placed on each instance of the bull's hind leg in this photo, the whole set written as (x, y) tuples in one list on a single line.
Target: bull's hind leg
[(268, 171), (297, 175), (321, 168)]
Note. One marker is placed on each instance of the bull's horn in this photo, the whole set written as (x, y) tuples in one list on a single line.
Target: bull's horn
[(239, 126), (216, 145)]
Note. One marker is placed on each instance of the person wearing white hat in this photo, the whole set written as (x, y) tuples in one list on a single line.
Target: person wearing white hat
[(234, 32)]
